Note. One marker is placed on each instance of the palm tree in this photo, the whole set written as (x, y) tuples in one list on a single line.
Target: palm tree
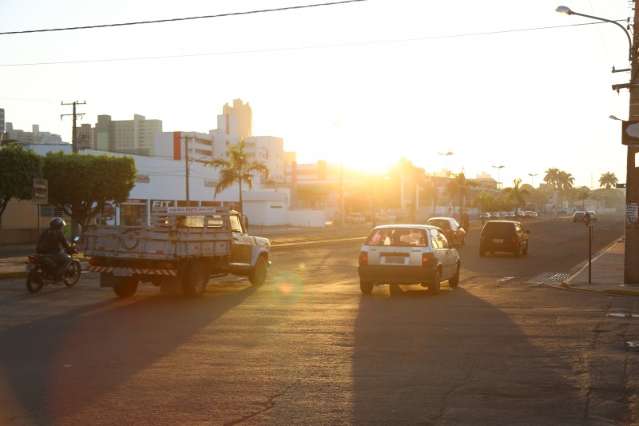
[(566, 181), (608, 180), (517, 193), (552, 177), (237, 168)]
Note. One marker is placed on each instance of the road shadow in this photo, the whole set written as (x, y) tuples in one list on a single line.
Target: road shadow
[(50, 365), (455, 359)]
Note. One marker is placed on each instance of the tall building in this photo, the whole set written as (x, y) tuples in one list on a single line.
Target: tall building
[(34, 137), (86, 136), (135, 136), (233, 125), (1, 120)]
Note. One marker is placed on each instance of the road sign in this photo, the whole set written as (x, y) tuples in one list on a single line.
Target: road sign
[(40, 191), (630, 132)]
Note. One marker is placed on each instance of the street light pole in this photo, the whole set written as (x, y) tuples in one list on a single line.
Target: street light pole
[(532, 178), (501, 166), (631, 266)]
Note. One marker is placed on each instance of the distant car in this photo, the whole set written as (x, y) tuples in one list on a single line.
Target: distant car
[(455, 234), (485, 215), (503, 236), (511, 214), (531, 213), (408, 254), (580, 216)]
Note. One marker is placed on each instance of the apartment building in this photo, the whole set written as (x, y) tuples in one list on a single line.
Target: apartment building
[(135, 136)]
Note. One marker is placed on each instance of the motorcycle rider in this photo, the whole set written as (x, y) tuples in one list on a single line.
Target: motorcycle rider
[(55, 246)]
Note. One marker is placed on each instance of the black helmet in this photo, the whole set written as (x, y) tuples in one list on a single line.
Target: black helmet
[(57, 223)]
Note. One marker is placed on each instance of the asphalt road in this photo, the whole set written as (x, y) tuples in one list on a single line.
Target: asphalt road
[(307, 348)]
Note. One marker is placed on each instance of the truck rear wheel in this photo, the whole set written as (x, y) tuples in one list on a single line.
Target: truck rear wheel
[(195, 279), (257, 276), (125, 287)]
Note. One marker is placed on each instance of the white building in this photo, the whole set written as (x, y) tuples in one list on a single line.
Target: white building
[(268, 150), (135, 136), (172, 145)]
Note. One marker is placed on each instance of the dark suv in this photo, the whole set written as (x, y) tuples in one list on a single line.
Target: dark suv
[(503, 236)]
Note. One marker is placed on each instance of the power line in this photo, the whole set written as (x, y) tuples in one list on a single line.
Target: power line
[(187, 18), (307, 47)]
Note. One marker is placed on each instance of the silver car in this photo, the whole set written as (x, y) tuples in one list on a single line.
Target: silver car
[(408, 254)]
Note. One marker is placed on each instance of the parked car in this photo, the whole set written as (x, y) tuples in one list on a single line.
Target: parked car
[(580, 216), (503, 236), (531, 213), (455, 234), (485, 215), (408, 254)]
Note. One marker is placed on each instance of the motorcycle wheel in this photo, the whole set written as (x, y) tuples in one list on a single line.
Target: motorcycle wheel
[(34, 281), (72, 274)]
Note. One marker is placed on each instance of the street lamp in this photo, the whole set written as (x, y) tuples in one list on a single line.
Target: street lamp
[(631, 267), (614, 117), (565, 10), (532, 176), (501, 166)]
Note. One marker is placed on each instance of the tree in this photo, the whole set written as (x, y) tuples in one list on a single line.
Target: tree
[(582, 194), (552, 177), (608, 180), (83, 184), (566, 181), (237, 168), (517, 194), (18, 167)]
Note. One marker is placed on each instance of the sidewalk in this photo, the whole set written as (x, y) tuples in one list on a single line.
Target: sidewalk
[(607, 273)]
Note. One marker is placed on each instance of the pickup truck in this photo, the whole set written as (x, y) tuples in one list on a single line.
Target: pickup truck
[(179, 254)]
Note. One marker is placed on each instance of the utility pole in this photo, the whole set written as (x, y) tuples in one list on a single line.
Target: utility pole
[(187, 171), (341, 195), (631, 265), (74, 114)]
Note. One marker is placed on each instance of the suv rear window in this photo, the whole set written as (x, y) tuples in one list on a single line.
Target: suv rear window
[(398, 237), (499, 229)]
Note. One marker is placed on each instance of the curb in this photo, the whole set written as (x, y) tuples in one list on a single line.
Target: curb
[(609, 292), (578, 269)]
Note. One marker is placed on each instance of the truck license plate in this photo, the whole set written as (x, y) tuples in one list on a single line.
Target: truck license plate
[(498, 240)]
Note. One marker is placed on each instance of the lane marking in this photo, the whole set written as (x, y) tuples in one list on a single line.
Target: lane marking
[(308, 243)]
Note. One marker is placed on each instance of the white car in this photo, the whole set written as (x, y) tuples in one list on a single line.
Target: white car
[(408, 254)]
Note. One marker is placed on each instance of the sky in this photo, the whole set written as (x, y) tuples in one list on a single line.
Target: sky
[(361, 84)]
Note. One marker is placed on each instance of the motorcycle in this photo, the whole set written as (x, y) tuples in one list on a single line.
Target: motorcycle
[(41, 271)]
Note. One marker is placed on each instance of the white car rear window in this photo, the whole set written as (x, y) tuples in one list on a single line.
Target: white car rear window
[(398, 237)]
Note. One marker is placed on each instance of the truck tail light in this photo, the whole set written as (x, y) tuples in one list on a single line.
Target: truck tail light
[(363, 258), (427, 259)]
